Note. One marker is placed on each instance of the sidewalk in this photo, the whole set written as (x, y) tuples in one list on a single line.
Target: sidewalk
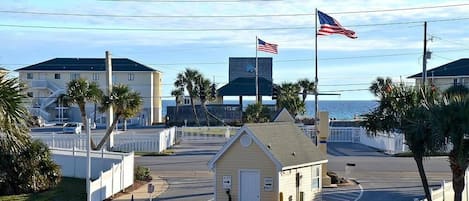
[(141, 193)]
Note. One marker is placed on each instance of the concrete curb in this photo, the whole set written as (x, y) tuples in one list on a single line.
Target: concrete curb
[(141, 194)]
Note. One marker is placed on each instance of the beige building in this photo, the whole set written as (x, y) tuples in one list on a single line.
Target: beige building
[(47, 80), (447, 75), (269, 161)]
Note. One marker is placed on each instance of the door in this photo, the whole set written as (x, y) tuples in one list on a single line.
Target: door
[(249, 185)]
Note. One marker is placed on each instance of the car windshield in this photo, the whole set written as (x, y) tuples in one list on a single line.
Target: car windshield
[(70, 125)]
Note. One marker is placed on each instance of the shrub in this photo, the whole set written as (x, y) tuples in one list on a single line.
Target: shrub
[(142, 173), (28, 171)]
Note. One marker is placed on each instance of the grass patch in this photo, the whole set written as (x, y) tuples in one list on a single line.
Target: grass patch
[(167, 152), (410, 154), (70, 189)]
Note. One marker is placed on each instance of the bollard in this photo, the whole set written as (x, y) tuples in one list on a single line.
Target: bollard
[(349, 167)]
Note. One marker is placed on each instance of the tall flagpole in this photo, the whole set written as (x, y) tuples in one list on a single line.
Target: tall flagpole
[(257, 74), (316, 105)]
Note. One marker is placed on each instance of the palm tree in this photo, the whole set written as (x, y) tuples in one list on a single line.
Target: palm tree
[(178, 95), (405, 109), (125, 103), (203, 92), (307, 86), (26, 166), (14, 127), (188, 80), (451, 123), (288, 98), (79, 92), (257, 113)]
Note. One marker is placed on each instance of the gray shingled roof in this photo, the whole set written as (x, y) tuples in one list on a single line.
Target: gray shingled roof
[(284, 139), (246, 86), (456, 68), (86, 64)]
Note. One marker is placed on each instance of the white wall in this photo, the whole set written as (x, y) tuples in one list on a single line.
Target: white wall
[(110, 172)]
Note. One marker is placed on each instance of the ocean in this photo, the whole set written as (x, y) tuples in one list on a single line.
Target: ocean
[(341, 110)]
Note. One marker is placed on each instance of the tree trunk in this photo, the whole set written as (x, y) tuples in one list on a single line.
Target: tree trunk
[(85, 122), (108, 132), (206, 114), (304, 95), (459, 171), (423, 176), (195, 112), (176, 115)]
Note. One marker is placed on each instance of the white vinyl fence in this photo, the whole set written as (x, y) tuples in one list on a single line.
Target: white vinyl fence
[(110, 172), (159, 141), (446, 193), (390, 143)]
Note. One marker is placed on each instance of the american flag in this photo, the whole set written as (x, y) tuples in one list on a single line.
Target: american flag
[(266, 47), (331, 26)]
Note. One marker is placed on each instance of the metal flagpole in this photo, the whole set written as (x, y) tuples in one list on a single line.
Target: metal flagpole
[(316, 105), (257, 74), (88, 160)]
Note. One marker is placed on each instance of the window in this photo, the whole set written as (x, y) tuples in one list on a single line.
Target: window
[(57, 76), (315, 176), (131, 76), (95, 76), (29, 76), (74, 76)]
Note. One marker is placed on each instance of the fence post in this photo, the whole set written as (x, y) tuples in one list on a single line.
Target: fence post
[(101, 187), (53, 139), (112, 180), (74, 162), (465, 186), (443, 187), (122, 173)]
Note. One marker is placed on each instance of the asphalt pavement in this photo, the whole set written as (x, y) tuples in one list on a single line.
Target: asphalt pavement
[(380, 176), (186, 172)]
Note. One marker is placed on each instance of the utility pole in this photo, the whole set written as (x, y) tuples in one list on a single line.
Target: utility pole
[(109, 112), (424, 71)]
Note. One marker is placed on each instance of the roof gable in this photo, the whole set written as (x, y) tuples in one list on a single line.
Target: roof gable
[(456, 68), (283, 142), (283, 116), (86, 64)]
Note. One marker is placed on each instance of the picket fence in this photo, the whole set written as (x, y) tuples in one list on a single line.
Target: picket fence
[(446, 193), (159, 141), (110, 172)]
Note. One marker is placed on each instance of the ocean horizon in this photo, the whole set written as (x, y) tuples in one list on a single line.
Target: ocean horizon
[(341, 110)]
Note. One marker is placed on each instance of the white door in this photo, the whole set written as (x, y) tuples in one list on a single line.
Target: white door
[(249, 185)]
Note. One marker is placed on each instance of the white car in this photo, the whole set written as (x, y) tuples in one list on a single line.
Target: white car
[(72, 127)]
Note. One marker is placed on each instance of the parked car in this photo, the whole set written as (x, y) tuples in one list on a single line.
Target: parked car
[(72, 127)]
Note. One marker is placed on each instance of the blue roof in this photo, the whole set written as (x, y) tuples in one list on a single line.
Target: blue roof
[(456, 68), (86, 64), (246, 86)]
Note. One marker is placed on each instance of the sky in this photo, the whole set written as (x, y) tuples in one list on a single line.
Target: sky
[(172, 35)]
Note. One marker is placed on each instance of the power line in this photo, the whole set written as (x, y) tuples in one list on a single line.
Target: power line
[(401, 9), (218, 16), (191, 1), (214, 29)]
